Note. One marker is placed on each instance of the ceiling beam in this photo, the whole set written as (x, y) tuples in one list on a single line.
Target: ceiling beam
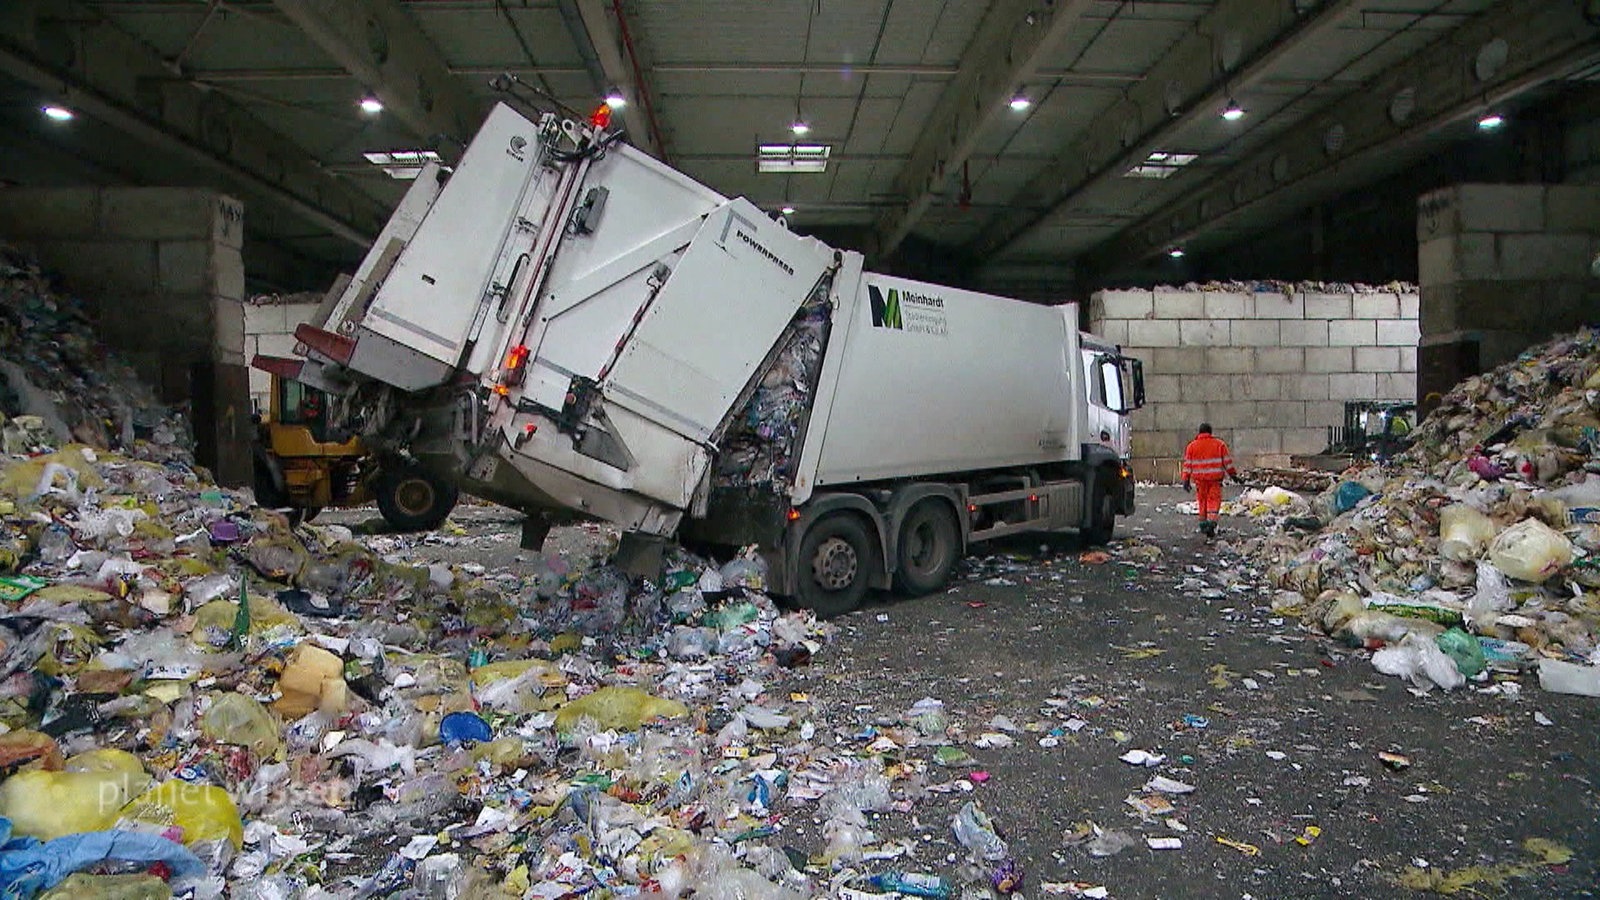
[(1009, 47), (619, 60), (381, 45), (1388, 121), (1232, 48), (100, 72)]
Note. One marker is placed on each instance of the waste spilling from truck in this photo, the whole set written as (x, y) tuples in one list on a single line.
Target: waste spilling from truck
[(568, 327)]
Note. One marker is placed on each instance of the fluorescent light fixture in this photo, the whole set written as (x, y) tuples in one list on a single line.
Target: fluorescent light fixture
[(1176, 253), (371, 105), (798, 159), (1161, 164), (404, 165), (787, 210), (800, 127), (1491, 122), (58, 113), (1233, 112), (1020, 103), (615, 99)]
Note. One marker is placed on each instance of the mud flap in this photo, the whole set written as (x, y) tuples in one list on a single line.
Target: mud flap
[(641, 555)]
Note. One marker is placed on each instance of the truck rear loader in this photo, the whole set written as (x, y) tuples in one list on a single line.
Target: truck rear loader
[(568, 326)]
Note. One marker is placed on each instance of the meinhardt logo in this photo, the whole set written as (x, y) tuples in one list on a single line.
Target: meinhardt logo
[(906, 310)]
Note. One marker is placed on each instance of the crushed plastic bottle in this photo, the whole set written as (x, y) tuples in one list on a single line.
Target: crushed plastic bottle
[(976, 832)]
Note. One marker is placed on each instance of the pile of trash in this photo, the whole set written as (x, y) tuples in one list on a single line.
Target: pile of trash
[(199, 699), (1274, 286), (764, 443), (1479, 549), (59, 384)]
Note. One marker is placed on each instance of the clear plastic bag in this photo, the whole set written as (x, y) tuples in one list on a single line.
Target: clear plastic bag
[(1420, 661)]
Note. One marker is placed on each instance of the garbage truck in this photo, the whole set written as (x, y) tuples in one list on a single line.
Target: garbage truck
[(570, 327)]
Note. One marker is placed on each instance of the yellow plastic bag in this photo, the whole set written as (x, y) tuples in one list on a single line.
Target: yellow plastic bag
[(21, 478), (1530, 551), (236, 719), (620, 708), (213, 623), (106, 760), (48, 805), (204, 812)]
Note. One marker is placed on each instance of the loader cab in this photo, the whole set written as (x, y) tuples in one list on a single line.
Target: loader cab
[(1114, 385)]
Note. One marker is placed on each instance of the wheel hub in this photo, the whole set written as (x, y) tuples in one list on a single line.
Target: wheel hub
[(414, 496), (834, 565)]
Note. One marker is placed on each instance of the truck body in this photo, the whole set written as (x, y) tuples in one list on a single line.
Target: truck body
[(569, 326)]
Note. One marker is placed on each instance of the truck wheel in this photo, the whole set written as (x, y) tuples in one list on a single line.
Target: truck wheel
[(1103, 521), (836, 558), (411, 499), (930, 546)]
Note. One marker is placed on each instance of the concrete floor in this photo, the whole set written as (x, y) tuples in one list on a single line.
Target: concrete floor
[(1293, 727)]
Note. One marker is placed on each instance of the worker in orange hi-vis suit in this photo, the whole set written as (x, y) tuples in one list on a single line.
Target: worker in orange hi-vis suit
[(1205, 462)]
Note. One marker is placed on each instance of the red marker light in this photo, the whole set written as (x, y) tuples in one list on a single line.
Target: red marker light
[(601, 117)]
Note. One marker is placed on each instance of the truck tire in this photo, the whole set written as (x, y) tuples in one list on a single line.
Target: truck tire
[(835, 565), (928, 550), (412, 499), (1103, 513)]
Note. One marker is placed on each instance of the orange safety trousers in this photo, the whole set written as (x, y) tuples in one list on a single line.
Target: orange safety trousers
[(1209, 493)]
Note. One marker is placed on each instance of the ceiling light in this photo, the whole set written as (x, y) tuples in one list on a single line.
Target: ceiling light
[(1233, 112), (799, 127), (371, 105), (1176, 253), (1491, 122), (615, 99), (787, 210), (793, 158), (1020, 103), (58, 113)]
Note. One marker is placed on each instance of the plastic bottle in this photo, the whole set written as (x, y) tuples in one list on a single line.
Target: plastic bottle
[(913, 884)]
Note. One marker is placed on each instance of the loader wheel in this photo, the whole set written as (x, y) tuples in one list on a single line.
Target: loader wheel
[(411, 499), (930, 546), (1103, 521), (836, 559)]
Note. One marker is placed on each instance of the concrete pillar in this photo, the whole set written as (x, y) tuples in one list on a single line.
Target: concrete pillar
[(161, 272), (1502, 267)]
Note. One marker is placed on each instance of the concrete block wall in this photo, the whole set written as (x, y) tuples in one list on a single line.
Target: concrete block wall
[(1270, 372), (268, 327), (160, 268), (1502, 267)]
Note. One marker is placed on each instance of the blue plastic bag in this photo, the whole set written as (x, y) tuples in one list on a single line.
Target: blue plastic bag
[(1347, 495), (29, 867)]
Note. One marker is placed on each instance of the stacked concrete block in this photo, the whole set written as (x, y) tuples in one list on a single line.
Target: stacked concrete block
[(1270, 371), (1502, 267), (268, 329)]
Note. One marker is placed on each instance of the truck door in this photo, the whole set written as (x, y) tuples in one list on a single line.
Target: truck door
[(1116, 388)]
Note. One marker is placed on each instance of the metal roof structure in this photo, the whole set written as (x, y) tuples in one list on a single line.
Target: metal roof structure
[(1001, 132)]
